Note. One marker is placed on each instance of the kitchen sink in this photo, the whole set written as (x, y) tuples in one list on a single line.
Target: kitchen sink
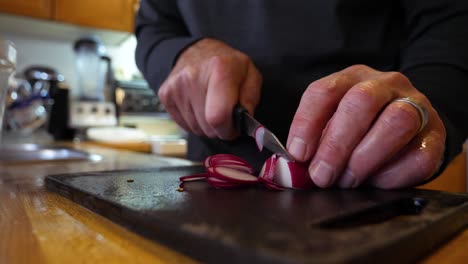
[(10, 153)]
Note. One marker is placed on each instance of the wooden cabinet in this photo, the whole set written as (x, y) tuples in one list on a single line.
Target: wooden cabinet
[(109, 14), (31, 8), (102, 14)]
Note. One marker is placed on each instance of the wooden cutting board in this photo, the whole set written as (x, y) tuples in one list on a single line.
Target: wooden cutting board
[(254, 225)]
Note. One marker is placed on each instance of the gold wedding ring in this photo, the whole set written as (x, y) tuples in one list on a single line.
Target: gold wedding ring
[(421, 110)]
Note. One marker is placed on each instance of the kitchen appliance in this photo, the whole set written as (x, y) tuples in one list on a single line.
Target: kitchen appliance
[(134, 97), (39, 99), (92, 101), (7, 66), (254, 225)]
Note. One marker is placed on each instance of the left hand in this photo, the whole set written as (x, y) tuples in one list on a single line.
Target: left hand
[(352, 132)]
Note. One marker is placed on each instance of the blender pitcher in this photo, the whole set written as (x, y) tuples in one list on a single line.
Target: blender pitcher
[(90, 104), (7, 66), (91, 78)]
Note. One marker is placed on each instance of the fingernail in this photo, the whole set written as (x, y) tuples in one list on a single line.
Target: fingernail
[(322, 174), (348, 180), (297, 148)]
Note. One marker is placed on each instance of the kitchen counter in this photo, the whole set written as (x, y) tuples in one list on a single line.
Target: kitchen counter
[(37, 226)]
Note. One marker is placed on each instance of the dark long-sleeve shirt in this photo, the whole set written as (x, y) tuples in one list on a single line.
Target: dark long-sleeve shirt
[(295, 42)]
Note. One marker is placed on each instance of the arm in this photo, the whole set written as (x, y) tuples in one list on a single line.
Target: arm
[(353, 132), (162, 36), (435, 59), (198, 80)]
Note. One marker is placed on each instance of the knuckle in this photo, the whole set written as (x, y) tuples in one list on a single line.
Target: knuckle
[(364, 91), (324, 88), (396, 78), (358, 68), (243, 58), (185, 77), (215, 118), (162, 94), (221, 65), (360, 97)]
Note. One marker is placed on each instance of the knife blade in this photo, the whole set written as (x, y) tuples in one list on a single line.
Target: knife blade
[(245, 123)]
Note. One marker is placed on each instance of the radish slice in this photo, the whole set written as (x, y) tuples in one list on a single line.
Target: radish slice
[(221, 184), (195, 177), (259, 134), (228, 157), (206, 162), (231, 175), (243, 168), (292, 174), (268, 169), (229, 171), (273, 186)]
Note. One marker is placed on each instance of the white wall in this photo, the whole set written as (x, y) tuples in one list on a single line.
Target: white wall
[(59, 55)]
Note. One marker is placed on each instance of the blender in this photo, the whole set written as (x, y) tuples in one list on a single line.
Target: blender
[(91, 102)]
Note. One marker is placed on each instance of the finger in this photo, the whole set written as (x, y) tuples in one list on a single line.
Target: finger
[(250, 90), (199, 115), (396, 126), (317, 105), (171, 107), (175, 115), (350, 123), (415, 164), (177, 88), (197, 101), (222, 95)]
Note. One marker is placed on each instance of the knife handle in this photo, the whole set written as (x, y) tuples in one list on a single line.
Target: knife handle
[(238, 117)]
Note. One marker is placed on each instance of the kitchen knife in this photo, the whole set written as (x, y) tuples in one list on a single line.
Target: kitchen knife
[(245, 123)]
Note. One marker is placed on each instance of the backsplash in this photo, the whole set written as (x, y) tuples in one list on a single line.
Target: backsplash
[(59, 55)]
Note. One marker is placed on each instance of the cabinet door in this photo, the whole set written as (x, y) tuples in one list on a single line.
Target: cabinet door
[(108, 14), (31, 8)]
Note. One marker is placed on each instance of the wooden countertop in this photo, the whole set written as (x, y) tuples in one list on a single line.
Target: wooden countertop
[(37, 226)]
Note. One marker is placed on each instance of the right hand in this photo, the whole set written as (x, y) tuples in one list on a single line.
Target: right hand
[(208, 80)]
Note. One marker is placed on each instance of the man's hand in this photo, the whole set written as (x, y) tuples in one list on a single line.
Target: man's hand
[(352, 132), (208, 80)]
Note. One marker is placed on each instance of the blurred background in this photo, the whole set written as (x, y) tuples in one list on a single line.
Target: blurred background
[(76, 76)]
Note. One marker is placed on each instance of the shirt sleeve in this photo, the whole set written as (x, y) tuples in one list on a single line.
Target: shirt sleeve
[(161, 36), (435, 58)]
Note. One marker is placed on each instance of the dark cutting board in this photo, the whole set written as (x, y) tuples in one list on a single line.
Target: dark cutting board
[(254, 225)]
